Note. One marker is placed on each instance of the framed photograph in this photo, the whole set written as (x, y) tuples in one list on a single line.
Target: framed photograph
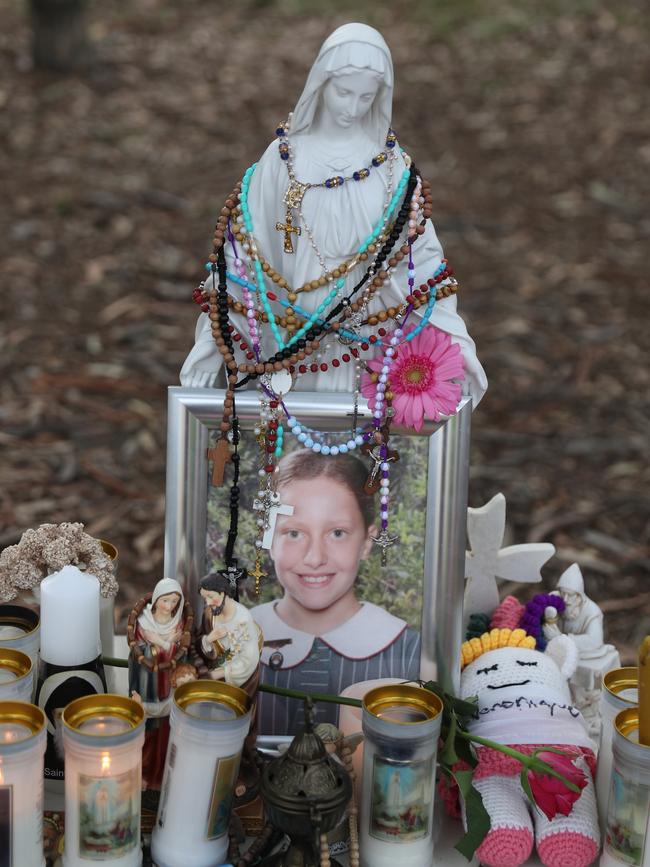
[(330, 613)]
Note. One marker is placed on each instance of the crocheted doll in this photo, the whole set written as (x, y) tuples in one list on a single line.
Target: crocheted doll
[(524, 702)]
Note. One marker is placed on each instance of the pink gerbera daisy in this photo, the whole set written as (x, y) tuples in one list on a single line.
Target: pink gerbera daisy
[(421, 377)]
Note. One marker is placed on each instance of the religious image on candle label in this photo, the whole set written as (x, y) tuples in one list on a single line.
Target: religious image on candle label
[(401, 799), (109, 815), (53, 837), (223, 788), (6, 843), (329, 611), (627, 820)]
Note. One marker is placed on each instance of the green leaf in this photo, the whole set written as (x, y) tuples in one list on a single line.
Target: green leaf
[(477, 817), (464, 707), (432, 686), (448, 754), (465, 752)]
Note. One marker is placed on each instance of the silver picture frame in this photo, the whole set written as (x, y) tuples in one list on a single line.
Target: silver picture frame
[(193, 413)]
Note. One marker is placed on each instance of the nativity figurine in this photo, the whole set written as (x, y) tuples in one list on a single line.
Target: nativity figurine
[(228, 640), (159, 632)]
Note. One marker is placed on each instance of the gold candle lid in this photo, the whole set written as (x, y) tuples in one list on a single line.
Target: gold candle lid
[(109, 549), (619, 679), (214, 691), (386, 702), (626, 723), (15, 661), (22, 713), (90, 707)]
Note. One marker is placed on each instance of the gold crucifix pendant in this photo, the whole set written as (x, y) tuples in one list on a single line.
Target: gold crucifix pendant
[(288, 228)]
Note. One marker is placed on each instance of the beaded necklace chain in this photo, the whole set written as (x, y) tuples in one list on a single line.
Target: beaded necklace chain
[(285, 150), (285, 357), (251, 246), (230, 422), (296, 190), (310, 234), (374, 441)]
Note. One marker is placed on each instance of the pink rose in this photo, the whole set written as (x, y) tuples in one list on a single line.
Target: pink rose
[(551, 795)]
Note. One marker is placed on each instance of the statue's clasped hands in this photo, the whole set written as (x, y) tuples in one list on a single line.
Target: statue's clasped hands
[(217, 633)]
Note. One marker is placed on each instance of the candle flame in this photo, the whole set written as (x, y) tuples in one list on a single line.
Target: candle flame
[(106, 763)]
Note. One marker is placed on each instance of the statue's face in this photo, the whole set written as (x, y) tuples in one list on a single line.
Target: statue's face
[(348, 98), (573, 603), (167, 603), (212, 598)]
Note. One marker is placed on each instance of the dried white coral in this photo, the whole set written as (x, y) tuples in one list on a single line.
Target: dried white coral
[(48, 549)]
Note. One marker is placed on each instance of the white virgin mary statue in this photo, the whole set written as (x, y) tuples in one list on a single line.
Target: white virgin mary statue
[(340, 122)]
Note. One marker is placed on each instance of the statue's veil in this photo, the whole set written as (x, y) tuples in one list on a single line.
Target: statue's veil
[(349, 48)]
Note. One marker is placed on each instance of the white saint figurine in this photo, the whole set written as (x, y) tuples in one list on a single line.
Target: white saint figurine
[(229, 639), (582, 621), (341, 121)]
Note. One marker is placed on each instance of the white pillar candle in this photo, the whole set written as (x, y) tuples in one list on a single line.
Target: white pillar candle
[(209, 721), (70, 617), (70, 654), (107, 606), (627, 835), (20, 630), (16, 676), (401, 726), (103, 737), (22, 745), (619, 691)]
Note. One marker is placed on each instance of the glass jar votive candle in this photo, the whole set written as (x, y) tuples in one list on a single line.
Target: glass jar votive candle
[(620, 690), (401, 726), (103, 737), (22, 747), (627, 838), (16, 676), (209, 721), (20, 630)]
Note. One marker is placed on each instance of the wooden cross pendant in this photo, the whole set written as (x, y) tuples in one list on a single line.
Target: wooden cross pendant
[(219, 455), (288, 228)]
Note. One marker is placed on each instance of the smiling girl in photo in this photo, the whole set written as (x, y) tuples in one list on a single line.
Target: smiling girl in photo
[(333, 639)]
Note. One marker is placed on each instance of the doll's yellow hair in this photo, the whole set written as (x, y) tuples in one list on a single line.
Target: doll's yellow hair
[(493, 640)]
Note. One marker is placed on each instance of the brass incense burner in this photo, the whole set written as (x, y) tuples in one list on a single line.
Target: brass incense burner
[(305, 793)]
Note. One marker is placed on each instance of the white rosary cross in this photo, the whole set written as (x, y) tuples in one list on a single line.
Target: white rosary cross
[(271, 506)]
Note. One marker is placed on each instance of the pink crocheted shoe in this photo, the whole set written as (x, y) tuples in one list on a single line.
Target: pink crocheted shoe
[(506, 847), (567, 849)]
